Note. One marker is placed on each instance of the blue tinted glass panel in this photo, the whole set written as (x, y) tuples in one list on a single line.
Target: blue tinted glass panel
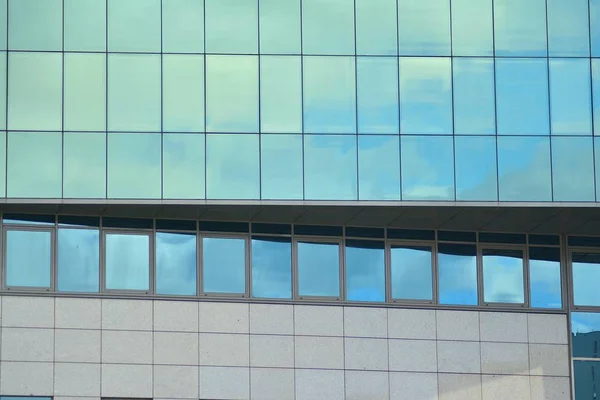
[(503, 276), (328, 27), (568, 28), (231, 26), (425, 95), (280, 26), (78, 260), (176, 263), (134, 25), (318, 269), (271, 268), (280, 94), (427, 167), (472, 28), (522, 96), (35, 25), (85, 25), (183, 26), (474, 101), (597, 164), (573, 169), (585, 331), (28, 258), (595, 26), (365, 271), (377, 95), (544, 277), (183, 93), (84, 165), (586, 379), (424, 27), (411, 273), (330, 168), (586, 274), (379, 168), (183, 166), (520, 28), (127, 261), (281, 167), (570, 97), (3, 20), (596, 94), (476, 168), (224, 265), (457, 274), (376, 27), (3, 90)]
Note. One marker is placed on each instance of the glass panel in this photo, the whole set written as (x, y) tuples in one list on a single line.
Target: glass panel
[(127, 262), (232, 93), (595, 26), (183, 166), (424, 27), (586, 379), (503, 276), (425, 95), (573, 169), (330, 167), (586, 274), (85, 25), (183, 26), (457, 274), (280, 26), (35, 25), (379, 167), (329, 95), (2, 164), (224, 265), (474, 102), (280, 94), (271, 267), (411, 272), (139, 155), (568, 28), (427, 167), (524, 170), (365, 271), (544, 277), (377, 95), (28, 258), (176, 263), (85, 92), (520, 28), (281, 167), (318, 269), (232, 167), (522, 96), (327, 27), (35, 88), (3, 90), (570, 97), (376, 27), (585, 329), (84, 169), (34, 164), (134, 92), (596, 93), (476, 168), (134, 25), (231, 26), (3, 20), (472, 28), (78, 260), (183, 93)]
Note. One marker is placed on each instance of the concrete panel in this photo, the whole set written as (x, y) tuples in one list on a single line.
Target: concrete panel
[(133, 315), (176, 316), (272, 319), (411, 324), (224, 317), (366, 354), (318, 320), (272, 384), (272, 351), (365, 322), (78, 313)]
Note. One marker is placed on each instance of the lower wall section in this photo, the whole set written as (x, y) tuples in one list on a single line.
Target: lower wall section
[(72, 347)]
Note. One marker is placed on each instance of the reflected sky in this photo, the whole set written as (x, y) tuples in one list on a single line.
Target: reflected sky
[(365, 270), (127, 262), (84, 165), (586, 269), (231, 26), (280, 94), (595, 26), (84, 25), (411, 273), (379, 168), (271, 267), (281, 167), (28, 258), (474, 98), (596, 91), (280, 26), (472, 28), (134, 25), (570, 97), (573, 168), (183, 93), (582, 322), (176, 263), (320, 34), (457, 274), (520, 28), (35, 25), (503, 276), (182, 26), (585, 331), (475, 163), (224, 265), (78, 260), (318, 269), (377, 80), (183, 166), (544, 277), (424, 27), (376, 27), (568, 28)]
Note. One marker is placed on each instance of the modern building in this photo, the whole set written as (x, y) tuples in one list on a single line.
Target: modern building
[(300, 199)]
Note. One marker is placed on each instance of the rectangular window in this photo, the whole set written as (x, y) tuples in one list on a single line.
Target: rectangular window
[(424, 27), (134, 25), (573, 169), (365, 270), (568, 28), (3, 21), (271, 267), (3, 90), (280, 94), (84, 165), (476, 168), (85, 25), (318, 268), (78, 260), (231, 26), (379, 167), (127, 261), (472, 28), (412, 272), (28, 257), (281, 167), (586, 379), (457, 274), (595, 26), (35, 25), (503, 276), (520, 28), (183, 26), (544, 277), (570, 97), (328, 27), (176, 263), (586, 272), (224, 265), (280, 26), (377, 79), (585, 327), (183, 172), (376, 27), (183, 93), (474, 96)]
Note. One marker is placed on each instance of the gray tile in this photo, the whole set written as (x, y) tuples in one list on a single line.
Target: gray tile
[(503, 327), (413, 386), (457, 325), (365, 322), (549, 359), (548, 328), (176, 316), (224, 317), (224, 350), (77, 345), (126, 381), (176, 382), (77, 379), (216, 383), (502, 387), (272, 384), (28, 312), (319, 352), (78, 313), (459, 357), (272, 351), (411, 324), (318, 320), (127, 347), (413, 355), (24, 344), (460, 387), (134, 315), (505, 358), (175, 348), (15, 378), (366, 354), (550, 388), (319, 384), (367, 385), (272, 319)]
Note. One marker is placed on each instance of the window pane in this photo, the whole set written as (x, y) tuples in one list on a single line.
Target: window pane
[(3, 20), (472, 28), (570, 97), (586, 272), (318, 269), (231, 26), (85, 25), (183, 26), (78, 260), (232, 93), (365, 271), (280, 26), (232, 167), (139, 155), (281, 167), (544, 277), (573, 169), (379, 167), (586, 379), (520, 28), (28, 258), (427, 168), (35, 88), (522, 96), (568, 28), (585, 328), (457, 271), (134, 92), (134, 25), (176, 263), (424, 27), (85, 92), (35, 25), (34, 164), (183, 166), (503, 276), (329, 95), (183, 93), (280, 94), (330, 167), (272, 267), (595, 26), (3, 90), (476, 168), (376, 27), (127, 262), (596, 94), (474, 102), (411, 273), (224, 265), (377, 95), (425, 95), (84, 167), (2, 164), (328, 27)]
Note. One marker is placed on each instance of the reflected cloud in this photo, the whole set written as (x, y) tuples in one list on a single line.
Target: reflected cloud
[(281, 167), (78, 260), (472, 28), (176, 263), (365, 271), (424, 27), (318, 269), (503, 276), (127, 261), (272, 267), (568, 28), (520, 27), (223, 265), (379, 167)]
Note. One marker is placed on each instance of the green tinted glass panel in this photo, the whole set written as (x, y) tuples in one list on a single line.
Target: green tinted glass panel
[(85, 25), (134, 25), (3, 19), (573, 169), (35, 25), (2, 90), (472, 28), (476, 168), (568, 28), (84, 170), (281, 167), (231, 26), (2, 164), (85, 92), (328, 27), (183, 93), (183, 26), (376, 27), (424, 27), (520, 28), (28, 258), (183, 166), (280, 26), (280, 94), (377, 80), (379, 167)]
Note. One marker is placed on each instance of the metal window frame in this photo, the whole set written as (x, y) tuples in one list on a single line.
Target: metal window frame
[(221, 235), (407, 244), (525, 262), (296, 295)]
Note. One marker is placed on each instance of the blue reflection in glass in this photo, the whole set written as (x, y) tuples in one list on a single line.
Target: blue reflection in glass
[(573, 168), (457, 274), (327, 27), (596, 94), (424, 27), (474, 100), (411, 272), (595, 26), (568, 28), (28, 258), (520, 28), (570, 97), (271, 267), (224, 265), (365, 270), (586, 379), (544, 277), (318, 269), (503, 276), (127, 261), (476, 174), (585, 331), (281, 167), (377, 79), (586, 275), (176, 263), (78, 260), (379, 167), (472, 28), (376, 27)]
